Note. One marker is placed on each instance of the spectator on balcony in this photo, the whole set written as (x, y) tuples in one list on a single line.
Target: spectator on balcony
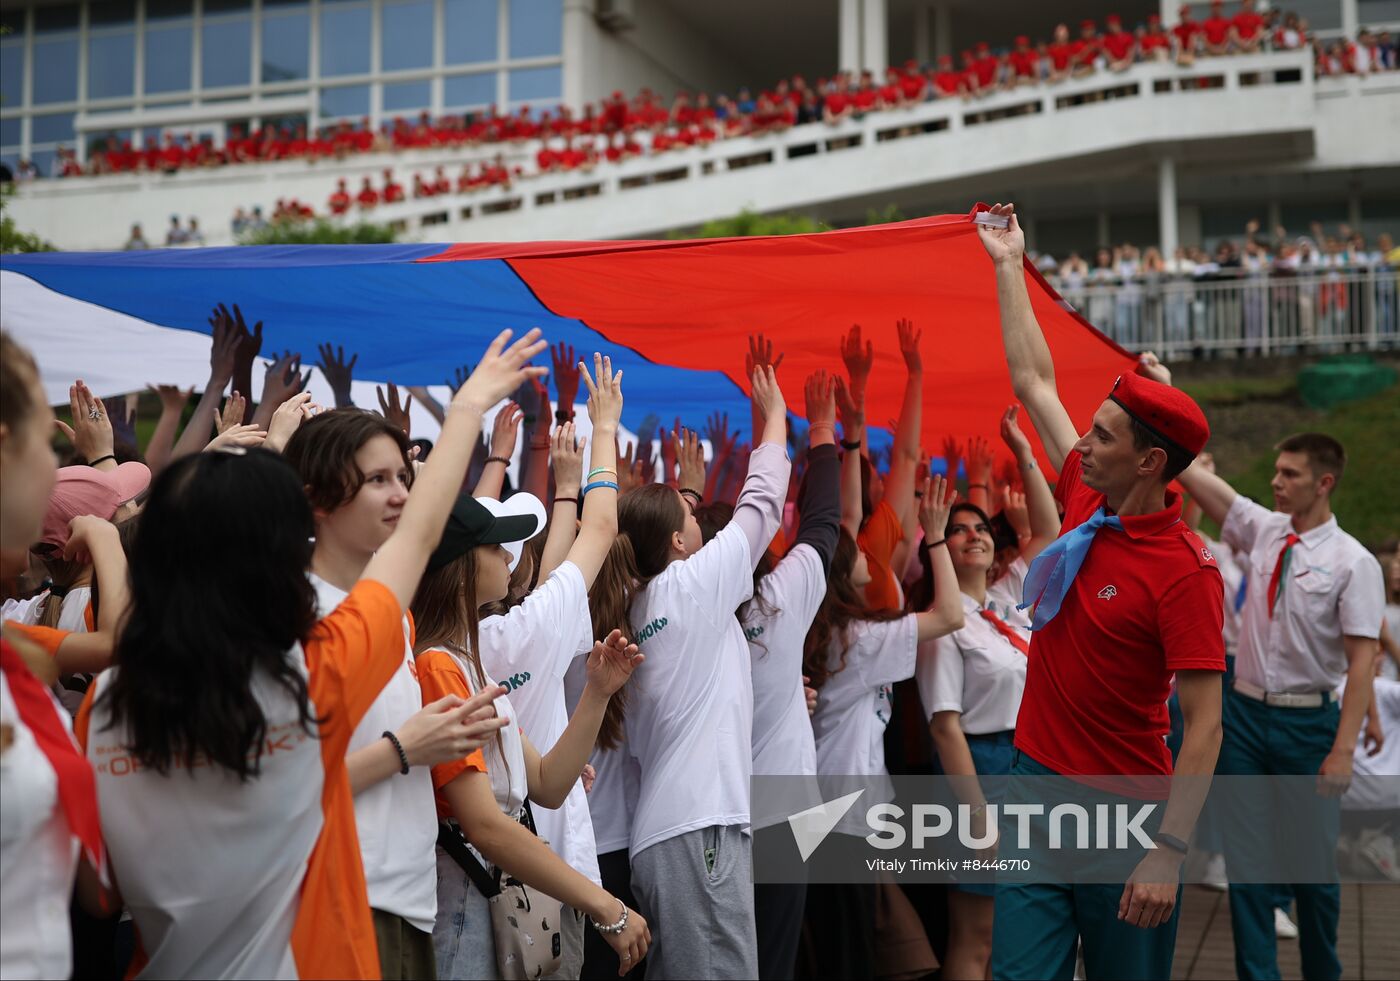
[(913, 84), (987, 67), (137, 240), (838, 106), (1154, 43), (422, 188), (1217, 30), (1248, 29), (1087, 50), (1061, 53), (368, 198), (968, 71), (1291, 35), (1024, 63), (175, 235), (1101, 279), (1188, 37), (1386, 47), (339, 201), (946, 80), (1127, 300), (1179, 270), (193, 235), (442, 184), (1366, 57), (866, 98), (393, 190), (1119, 46)]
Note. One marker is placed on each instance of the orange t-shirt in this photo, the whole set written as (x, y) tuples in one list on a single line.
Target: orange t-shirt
[(878, 540), (47, 638), (440, 675)]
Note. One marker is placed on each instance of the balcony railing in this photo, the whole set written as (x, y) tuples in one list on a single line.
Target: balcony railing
[(1278, 313)]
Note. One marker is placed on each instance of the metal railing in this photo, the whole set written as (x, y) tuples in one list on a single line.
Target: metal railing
[(1278, 313)]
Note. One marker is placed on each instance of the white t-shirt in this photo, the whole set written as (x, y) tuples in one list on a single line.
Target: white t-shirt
[(617, 779), (38, 857), (1367, 793), (1392, 621), (853, 707), (395, 819), (1333, 588), (530, 648), (690, 704), (72, 618), (505, 758), (783, 743), (975, 671)]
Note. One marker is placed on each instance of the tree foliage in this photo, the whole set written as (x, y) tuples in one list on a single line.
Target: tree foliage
[(11, 238), (319, 231)]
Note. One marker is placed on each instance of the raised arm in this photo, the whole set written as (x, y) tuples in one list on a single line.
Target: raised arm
[(222, 355), (172, 405), (946, 614), (853, 438), (1209, 491), (1027, 354), (566, 459), (90, 653), (819, 509), (505, 430), (598, 523), (1040, 500), (904, 458), (400, 561), (759, 510), (338, 373), (534, 463)]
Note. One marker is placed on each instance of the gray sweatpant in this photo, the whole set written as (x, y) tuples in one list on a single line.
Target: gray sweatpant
[(696, 891)]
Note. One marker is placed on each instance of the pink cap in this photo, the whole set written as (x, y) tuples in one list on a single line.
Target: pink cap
[(83, 490)]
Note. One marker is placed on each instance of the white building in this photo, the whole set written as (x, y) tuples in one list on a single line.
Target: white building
[(1163, 161)]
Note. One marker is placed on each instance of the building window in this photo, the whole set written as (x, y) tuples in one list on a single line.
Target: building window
[(405, 96), (55, 70), (57, 128), (536, 84), (11, 74), (471, 29), (286, 43), (345, 39), (469, 91), (169, 58), (226, 52), (51, 20), (406, 33), (536, 28), (111, 65), (112, 13), (9, 132), (345, 101)]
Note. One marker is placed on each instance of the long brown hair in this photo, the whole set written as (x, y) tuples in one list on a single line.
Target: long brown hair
[(445, 613), (843, 605), (63, 576)]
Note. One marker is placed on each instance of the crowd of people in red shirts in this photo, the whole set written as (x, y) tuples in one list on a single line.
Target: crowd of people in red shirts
[(620, 128)]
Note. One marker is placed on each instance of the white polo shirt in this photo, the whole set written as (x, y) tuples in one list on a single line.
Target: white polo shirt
[(1333, 589), (1375, 787), (395, 819), (975, 671), (1004, 595), (776, 630), (529, 649), (854, 706)]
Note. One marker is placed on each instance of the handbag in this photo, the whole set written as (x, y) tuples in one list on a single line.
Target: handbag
[(524, 921)]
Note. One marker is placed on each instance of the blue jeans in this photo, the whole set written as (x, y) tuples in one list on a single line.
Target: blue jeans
[(1037, 925), (1265, 740), (462, 939)]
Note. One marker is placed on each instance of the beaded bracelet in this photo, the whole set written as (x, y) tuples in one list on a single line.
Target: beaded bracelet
[(599, 483), (403, 757), (699, 498), (498, 459), (597, 470), (613, 929)]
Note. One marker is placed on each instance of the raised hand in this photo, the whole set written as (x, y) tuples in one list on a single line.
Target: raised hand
[(223, 353), (566, 375), (820, 396), (939, 496), (952, 452), (288, 419), (1004, 244), (717, 432), (501, 370), (768, 397), (239, 436), (629, 470), (392, 410), (668, 453), (1150, 367), (566, 457), (451, 727), (859, 359), (284, 379), (459, 377), (1011, 434), (691, 458), (541, 420), (338, 372), (611, 663), (234, 408), (762, 354), (849, 407), (505, 431), (979, 462), (1013, 505), (909, 339), (173, 398), (604, 395), (91, 432), (123, 419), (83, 531)]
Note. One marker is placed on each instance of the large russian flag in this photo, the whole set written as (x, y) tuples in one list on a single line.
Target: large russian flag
[(674, 314)]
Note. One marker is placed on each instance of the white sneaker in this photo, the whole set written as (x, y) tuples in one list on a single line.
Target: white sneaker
[(1284, 928), (1379, 851), (1214, 875)]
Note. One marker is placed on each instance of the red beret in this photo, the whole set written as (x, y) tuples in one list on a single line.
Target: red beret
[(1154, 18), (1022, 40), (1166, 412), (1086, 25), (983, 46), (1114, 19)]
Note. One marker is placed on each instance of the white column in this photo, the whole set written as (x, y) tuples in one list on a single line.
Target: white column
[(1169, 11), (1275, 216), (1354, 207), (1351, 19), (578, 20), (1102, 231), (875, 35), (1166, 206), (942, 29), (848, 34), (921, 21)]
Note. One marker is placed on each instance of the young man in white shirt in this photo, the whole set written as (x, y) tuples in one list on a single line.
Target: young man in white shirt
[(1310, 621)]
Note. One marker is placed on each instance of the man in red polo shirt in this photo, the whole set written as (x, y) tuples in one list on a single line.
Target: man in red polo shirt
[(1126, 598), (1249, 28), (986, 67), (1087, 48), (339, 202), (368, 198), (1154, 43), (393, 190), (1188, 37), (1025, 62), (1119, 45), (1060, 53), (1216, 30)]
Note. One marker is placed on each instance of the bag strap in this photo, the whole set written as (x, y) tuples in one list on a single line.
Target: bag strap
[(527, 818), (452, 842)]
